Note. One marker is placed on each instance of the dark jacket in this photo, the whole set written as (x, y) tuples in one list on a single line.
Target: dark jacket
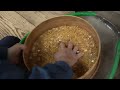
[(59, 70)]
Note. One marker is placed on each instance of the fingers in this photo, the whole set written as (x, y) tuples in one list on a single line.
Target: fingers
[(77, 52), (75, 49), (62, 45), (70, 45), (79, 55), (20, 46), (23, 47)]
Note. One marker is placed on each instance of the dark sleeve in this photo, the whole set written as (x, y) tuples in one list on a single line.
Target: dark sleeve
[(38, 73), (59, 70), (3, 53)]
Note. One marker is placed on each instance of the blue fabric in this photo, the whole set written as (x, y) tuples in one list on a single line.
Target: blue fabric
[(5, 43), (39, 73), (11, 71), (59, 70), (9, 41), (7, 70), (3, 53)]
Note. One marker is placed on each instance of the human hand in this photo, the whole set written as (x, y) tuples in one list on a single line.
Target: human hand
[(69, 54), (15, 53)]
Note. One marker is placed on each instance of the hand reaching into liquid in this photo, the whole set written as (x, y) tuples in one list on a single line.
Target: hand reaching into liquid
[(69, 54)]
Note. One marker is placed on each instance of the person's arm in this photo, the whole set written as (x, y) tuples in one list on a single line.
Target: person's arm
[(3, 53), (65, 58), (59, 70), (12, 54)]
